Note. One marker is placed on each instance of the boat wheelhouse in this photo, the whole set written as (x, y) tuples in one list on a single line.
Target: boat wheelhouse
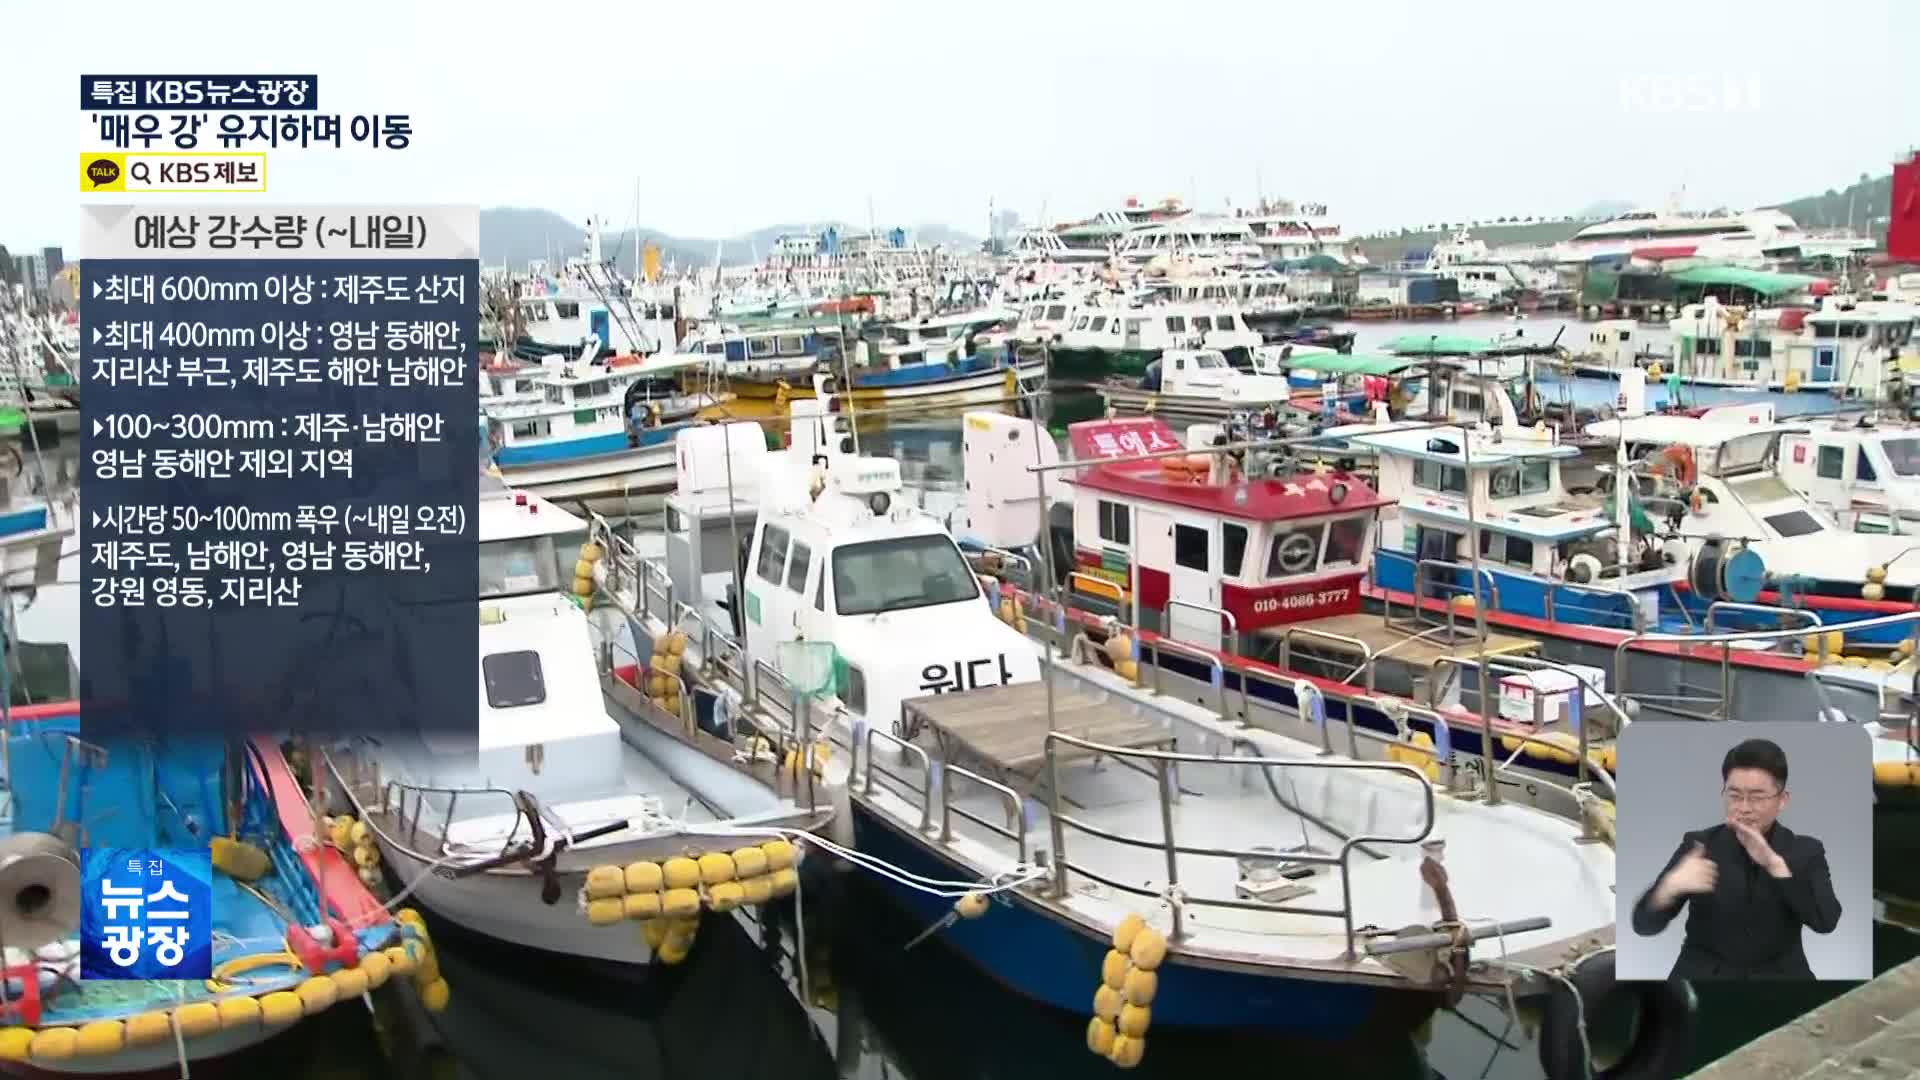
[(1194, 537), (1192, 236), (1865, 473), (1124, 339), (1852, 350)]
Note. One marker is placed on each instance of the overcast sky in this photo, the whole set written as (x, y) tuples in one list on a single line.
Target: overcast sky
[(724, 115)]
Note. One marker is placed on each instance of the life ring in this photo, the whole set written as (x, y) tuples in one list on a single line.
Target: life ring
[(1666, 1014), (1295, 551)]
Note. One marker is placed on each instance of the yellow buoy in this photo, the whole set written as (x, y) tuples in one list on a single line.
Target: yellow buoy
[(1877, 574), (377, 967), (238, 1012), (1149, 948), (605, 911), (1127, 1051), (1654, 372), (1124, 933), (1113, 969), (1134, 1020), (726, 896), (605, 881), (1139, 987), (400, 960), (780, 854), (679, 903), (643, 877), (716, 867), (653, 932), (783, 882), (972, 905), (341, 832), (350, 982), (197, 1018), (667, 665), (681, 872), (15, 1043), (100, 1038), (749, 862), (1107, 1002), (1128, 670), (759, 889), (150, 1027), (1872, 591), (413, 920), (672, 951), (1836, 642), (279, 1007), (55, 1044), (315, 994), (366, 856), (435, 995), (1896, 773), (1100, 1036), (677, 643), (644, 905)]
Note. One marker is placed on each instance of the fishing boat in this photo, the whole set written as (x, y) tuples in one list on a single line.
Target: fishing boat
[(1270, 911), (600, 434), (1200, 384), (1124, 339), (530, 833), (295, 931), (1863, 469)]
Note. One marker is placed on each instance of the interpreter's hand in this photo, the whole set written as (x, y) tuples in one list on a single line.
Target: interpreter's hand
[(1693, 875), (1759, 850)]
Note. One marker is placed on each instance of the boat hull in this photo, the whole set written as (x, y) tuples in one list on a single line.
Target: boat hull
[(1056, 963)]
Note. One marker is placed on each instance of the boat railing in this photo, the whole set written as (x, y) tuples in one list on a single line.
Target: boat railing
[(1422, 581), (1016, 828), (1160, 764), (1367, 656), (1233, 624), (1636, 619), (1674, 704), (924, 796), (393, 806)]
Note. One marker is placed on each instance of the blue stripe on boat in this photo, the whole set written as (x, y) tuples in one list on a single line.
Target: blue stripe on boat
[(23, 521), (593, 446), (922, 374)]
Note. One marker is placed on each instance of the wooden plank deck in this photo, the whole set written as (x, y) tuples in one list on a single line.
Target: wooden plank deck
[(1394, 643), (1871, 1030), (1006, 726)]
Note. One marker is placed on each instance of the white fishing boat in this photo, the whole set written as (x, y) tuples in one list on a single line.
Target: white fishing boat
[(599, 435), (1862, 469), (510, 834), (1120, 339)]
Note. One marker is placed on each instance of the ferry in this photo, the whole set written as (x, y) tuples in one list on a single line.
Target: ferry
[(968, 748), (600, 435), (557, 828)]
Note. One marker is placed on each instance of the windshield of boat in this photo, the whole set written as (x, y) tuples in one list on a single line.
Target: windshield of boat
[(1903, 455), (900, 573), (516, 567)]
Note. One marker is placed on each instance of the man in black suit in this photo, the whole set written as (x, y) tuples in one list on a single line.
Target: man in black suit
[(1750, 884)]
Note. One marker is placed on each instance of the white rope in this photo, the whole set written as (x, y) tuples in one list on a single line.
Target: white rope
[(1020, 875), (1579, 1004)]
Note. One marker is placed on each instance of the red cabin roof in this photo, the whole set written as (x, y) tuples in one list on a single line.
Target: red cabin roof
[(1304, 495)]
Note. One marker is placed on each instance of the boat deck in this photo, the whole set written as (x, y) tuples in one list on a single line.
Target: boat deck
[(1424, 649), (1007, 726)]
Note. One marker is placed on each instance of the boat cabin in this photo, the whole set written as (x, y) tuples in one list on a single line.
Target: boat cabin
[(586, 410), (1158, 327), (769, 352), (1189, 540), (1865, 475), (1831, 347)]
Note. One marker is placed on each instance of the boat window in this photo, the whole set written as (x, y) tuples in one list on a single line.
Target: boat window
[(566, 309), (1233, 548), (1190, 547), (1526, 478), (1507, 548), (1295, 551), (797, 568), (1831, 458), (791, 344), (852, 688), (1903, 455), (1057, 312), (1115, 524), (1707, 346), (1202, 324), (516, 567), (527, 429), (760, 346), (513, 679), (1225, 322), (1439, 476), (1795, 523), (1176, 324), (1863, 469), (1080, 323), (715, 348), (773, 554), (820, 593), (899, 574), (1099, 323), (1346, 540)]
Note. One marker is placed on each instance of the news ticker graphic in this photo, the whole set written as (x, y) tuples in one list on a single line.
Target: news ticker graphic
[(146, 913), (280, 463)]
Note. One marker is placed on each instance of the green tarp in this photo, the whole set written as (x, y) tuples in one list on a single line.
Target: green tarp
[(1350, 363), (1763, 282), (1438, 345)]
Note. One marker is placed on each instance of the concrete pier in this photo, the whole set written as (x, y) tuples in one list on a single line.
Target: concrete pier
[(1872, 1031)]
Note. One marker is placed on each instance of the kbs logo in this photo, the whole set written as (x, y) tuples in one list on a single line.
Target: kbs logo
[(1690, 93)]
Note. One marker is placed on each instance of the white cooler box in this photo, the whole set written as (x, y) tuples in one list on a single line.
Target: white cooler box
[(1553, 689)]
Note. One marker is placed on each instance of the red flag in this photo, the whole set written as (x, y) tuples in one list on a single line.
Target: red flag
[(1903, 223)]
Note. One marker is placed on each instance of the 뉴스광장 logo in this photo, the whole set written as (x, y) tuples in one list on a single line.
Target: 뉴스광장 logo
[(146, 913), (103, 171)]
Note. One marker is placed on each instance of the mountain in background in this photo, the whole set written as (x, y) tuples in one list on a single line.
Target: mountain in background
[(1604, 209), (516, 236), (1862, 205)]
